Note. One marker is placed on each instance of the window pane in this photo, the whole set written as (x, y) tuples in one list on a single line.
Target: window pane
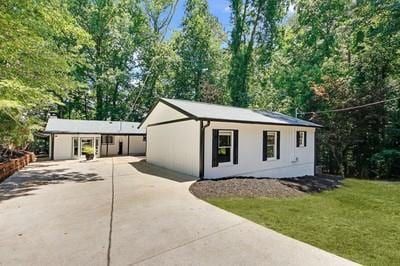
[(224, 155), (224, 140), (75, 146), (97, 146), (271, 139), (301, 138), (270, 152)]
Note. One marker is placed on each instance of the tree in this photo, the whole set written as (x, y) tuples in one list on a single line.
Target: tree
[(116, 29), (39, 50), (254, 30), (199, 47)]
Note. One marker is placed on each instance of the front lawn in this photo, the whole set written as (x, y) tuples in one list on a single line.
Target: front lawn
[(360, 221)]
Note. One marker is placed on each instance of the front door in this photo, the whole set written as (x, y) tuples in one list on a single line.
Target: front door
[(84, 143), (120, 148)]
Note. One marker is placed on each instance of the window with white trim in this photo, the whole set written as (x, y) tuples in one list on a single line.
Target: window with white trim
[(225, 149), (271, 145)]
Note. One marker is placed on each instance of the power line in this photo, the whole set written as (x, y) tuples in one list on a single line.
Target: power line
[(349, 108)]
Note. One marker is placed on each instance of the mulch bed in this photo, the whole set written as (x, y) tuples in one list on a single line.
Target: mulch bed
[(263, 187)]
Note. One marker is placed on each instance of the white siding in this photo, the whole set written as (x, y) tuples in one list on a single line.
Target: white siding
[(175, 146), (63, 145), (113, 148), (136, 145), (250, 161), (162, 113)]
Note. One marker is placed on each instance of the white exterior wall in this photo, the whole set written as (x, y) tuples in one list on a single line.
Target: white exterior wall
[(161, 113), (136, 145), (175, 146), (250, 152), (63, 145)]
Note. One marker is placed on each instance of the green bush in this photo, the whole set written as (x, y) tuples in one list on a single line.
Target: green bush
[(88, 150), (385, 164)]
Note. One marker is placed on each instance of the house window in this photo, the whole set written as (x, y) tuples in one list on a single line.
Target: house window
[(144, 138), (224, 154), (271, 145), (97, 146), (301, 139), (225, 147), (75, 147), (107, 139)]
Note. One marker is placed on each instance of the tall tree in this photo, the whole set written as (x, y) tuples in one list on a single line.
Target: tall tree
[(39, 51), (199, 47), (116, 28), (254, 28), (155, 57)]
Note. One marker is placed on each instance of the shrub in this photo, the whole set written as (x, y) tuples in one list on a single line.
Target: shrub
[(88, 150), (385, 164)]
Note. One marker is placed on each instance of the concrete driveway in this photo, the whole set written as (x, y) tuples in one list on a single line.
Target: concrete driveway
[(122, 211)]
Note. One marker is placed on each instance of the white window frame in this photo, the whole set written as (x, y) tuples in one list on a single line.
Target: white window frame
[(97, 146), (272, 133), (73, 147), (226, 133), (302, 136)]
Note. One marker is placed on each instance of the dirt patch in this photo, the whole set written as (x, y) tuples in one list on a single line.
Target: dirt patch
[(263, 187)]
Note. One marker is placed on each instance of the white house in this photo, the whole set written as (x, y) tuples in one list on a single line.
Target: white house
[(108, 138), (215, 141)]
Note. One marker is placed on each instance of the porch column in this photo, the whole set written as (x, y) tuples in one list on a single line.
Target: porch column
[(106, 147), (52, 146)]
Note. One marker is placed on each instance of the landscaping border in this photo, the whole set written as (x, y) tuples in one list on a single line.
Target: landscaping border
[(8, 168)]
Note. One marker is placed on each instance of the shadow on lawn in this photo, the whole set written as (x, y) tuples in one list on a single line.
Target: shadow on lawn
[(24, 182), (313, 183), (151, 169)]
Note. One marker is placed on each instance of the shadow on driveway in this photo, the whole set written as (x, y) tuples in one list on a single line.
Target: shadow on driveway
[(151, 169), (24, 182)]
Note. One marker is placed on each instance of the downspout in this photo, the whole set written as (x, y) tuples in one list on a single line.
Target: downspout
[(202, 135)]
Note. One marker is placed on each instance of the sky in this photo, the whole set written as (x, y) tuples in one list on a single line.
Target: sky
[(219, 8)]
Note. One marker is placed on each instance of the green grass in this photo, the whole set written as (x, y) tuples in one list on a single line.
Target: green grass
[(360, 221)]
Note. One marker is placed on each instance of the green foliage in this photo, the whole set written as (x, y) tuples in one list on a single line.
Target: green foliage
[(107, 59), (39, 49), (252, 41), (385, 164), (199, 49), (87, 149)]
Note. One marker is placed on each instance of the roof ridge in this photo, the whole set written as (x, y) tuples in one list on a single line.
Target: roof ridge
[(92, 120), (204, 103)]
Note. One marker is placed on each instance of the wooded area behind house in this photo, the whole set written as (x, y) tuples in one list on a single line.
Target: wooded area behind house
[(105, 59)]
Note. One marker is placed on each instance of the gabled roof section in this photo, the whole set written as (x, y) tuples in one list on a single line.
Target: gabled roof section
[(214, 112), (56, 125)]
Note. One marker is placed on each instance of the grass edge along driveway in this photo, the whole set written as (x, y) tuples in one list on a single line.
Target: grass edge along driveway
[(360, 221)]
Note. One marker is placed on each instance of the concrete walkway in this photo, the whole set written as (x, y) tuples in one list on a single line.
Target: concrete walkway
[(121, 211)]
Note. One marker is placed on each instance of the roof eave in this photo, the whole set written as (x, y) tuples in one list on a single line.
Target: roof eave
[(256, 122)]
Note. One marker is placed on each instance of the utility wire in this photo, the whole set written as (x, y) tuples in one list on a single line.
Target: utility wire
[(350, 108)]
